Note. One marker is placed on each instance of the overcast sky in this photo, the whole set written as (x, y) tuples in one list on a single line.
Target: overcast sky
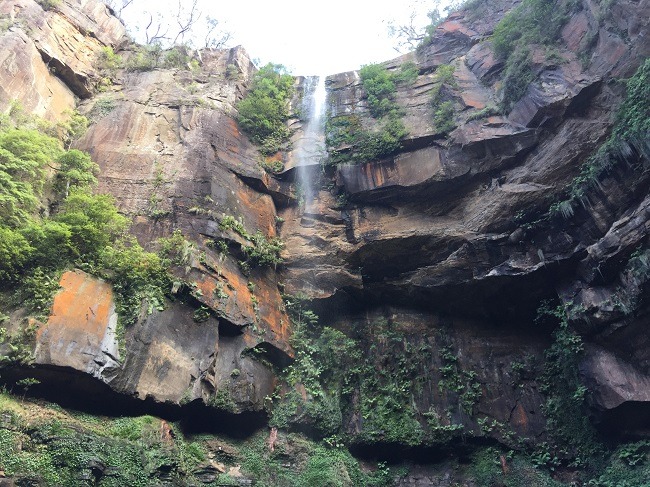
[(309, 38)]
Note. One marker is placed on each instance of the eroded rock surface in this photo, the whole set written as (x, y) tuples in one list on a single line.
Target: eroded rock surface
[(450, 239)]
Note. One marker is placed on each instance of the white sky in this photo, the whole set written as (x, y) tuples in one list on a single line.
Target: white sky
[(309, 38)]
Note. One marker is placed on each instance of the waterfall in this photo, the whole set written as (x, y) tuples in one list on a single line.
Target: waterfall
[(310, 148)]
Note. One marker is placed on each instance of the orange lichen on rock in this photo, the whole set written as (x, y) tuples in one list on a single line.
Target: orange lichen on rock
[(81, 326)]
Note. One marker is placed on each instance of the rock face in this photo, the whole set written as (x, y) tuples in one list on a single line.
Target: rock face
[(449, 240), (170, 356), (448, 226), (81, 331), (49, 57)]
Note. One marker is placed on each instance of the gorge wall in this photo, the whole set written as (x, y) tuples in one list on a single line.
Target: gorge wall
[(430, 263)]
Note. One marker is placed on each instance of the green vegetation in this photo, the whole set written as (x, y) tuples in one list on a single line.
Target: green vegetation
[(346, 139), (101, 108), (443, 117), (348, 142), (491, 466), (314, 465), (533, 22), (378, 372), (264, 111), (110, 61), (444, 108), (380, 86), (41, 444), (629, 139), (54, 448), (573, 438), (488, 111), (152, 56), (85, 230), (17, 347), (261, 251)]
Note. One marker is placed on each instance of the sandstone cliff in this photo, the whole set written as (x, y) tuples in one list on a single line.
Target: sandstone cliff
[(433, 260)]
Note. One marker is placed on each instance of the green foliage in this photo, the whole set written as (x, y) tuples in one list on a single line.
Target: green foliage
[(633, 117), (261, 250), (488, 111), (54, 448), (435, 19), (137, 276), (15, 252), (324, 365), (271, 165), (381, 373), (101, 108), (51, 242), (93, 220), (24, 156), (176, 249), (487, 469), (177, 57), (444, 108), (533, 22), (517, 76), (145, 428), (573, 436), (443, 117), (346, 139), (5, 23), (629, 140), (87, 229), (313, 465), (76, 170), (18, 346), (144, 58), (380, 86), (108, 60), (222, 401), (40, 287), (628, 466), (348, 142), (442, 429), (264, 111), (73, 126)]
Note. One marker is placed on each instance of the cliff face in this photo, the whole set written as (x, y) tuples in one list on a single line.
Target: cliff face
[(434, 259), (450, 226)]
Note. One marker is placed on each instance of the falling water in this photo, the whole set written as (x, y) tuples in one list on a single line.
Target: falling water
[(310, 148)]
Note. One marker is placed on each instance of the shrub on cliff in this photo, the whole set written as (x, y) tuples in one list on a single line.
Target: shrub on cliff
[(264, 111), (532, 22), (24, 156), (83, 228), (348, 141)]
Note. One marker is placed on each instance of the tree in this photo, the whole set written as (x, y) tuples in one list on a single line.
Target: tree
[(117, 6), (186, 24), (24, 155), (215, 39), (93, 220), (423, 19), (51, 243), (265, 109), (76, 169), (15, 251)]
